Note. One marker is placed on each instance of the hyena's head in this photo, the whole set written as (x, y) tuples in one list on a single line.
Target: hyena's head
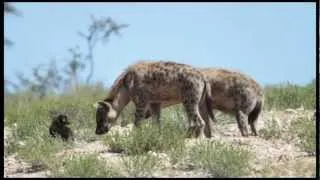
[(105, 117)]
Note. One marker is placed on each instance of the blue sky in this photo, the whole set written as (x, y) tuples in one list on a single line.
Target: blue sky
[(272, 42)]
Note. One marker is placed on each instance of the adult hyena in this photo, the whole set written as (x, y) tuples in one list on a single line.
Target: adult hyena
[(234, 93), (149, 84)]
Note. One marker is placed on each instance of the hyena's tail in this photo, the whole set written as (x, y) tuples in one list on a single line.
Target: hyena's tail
[(210, 110), (207, 99)]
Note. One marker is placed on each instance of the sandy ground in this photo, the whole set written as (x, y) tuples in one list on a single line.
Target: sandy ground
[(273, 158)]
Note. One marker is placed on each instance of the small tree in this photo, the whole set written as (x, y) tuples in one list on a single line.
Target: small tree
[(99, 30), (74, 67), (10, 9), (45, 79), (8, 84)]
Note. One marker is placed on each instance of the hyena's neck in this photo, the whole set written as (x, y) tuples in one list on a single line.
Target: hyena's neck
[(119, 101)]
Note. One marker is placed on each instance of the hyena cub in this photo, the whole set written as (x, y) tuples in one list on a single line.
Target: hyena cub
[(59, 128), (149, 85)]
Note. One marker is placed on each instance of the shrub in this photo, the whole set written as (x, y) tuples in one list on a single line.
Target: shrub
[(146, 138), (287, 95), (86, 166), (140, 165), (220, 160), (270, 130), (149, 137), (305, 131)]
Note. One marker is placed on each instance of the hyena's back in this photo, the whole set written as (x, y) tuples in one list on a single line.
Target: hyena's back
[(165, 81)]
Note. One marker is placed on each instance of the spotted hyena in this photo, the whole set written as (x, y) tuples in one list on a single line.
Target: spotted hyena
[(150, 84), (235, 93)]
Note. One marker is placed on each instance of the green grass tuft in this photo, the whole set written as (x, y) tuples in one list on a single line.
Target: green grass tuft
[(220, 160), (87, 166)]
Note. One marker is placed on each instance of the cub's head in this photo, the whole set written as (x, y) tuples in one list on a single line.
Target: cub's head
[(59, 119)]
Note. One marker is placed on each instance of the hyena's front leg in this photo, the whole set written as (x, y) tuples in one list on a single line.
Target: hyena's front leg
[(139, 114), (196, 122), (141, 101), (155, 109)]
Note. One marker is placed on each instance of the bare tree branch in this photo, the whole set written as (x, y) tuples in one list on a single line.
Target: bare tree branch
[(10, 83), (99, 30), (8, 42), (9, 9)]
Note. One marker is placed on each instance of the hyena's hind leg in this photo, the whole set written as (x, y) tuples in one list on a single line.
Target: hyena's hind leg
[(148, 113), (155, 111), (196, 122), (242, 123), (253, 117)]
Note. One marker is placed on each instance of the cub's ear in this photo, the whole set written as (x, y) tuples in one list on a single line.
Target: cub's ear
[(63, 119)]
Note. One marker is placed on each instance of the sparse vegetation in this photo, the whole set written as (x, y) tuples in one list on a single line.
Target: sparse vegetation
[(149, 137), (287, 95), (65, 85), (140, 165), (270, 130), (85, 167), (41, 151), (301, 167), (29, 119), (116, 142), (305, 130), (220, 160)]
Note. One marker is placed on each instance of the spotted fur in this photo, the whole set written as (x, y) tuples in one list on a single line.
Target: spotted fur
[(232, 92), (149, 84)]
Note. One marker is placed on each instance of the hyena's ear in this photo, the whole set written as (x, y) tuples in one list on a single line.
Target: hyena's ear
[(95, 105), (112, 113), (99, 104), (102, 104)]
